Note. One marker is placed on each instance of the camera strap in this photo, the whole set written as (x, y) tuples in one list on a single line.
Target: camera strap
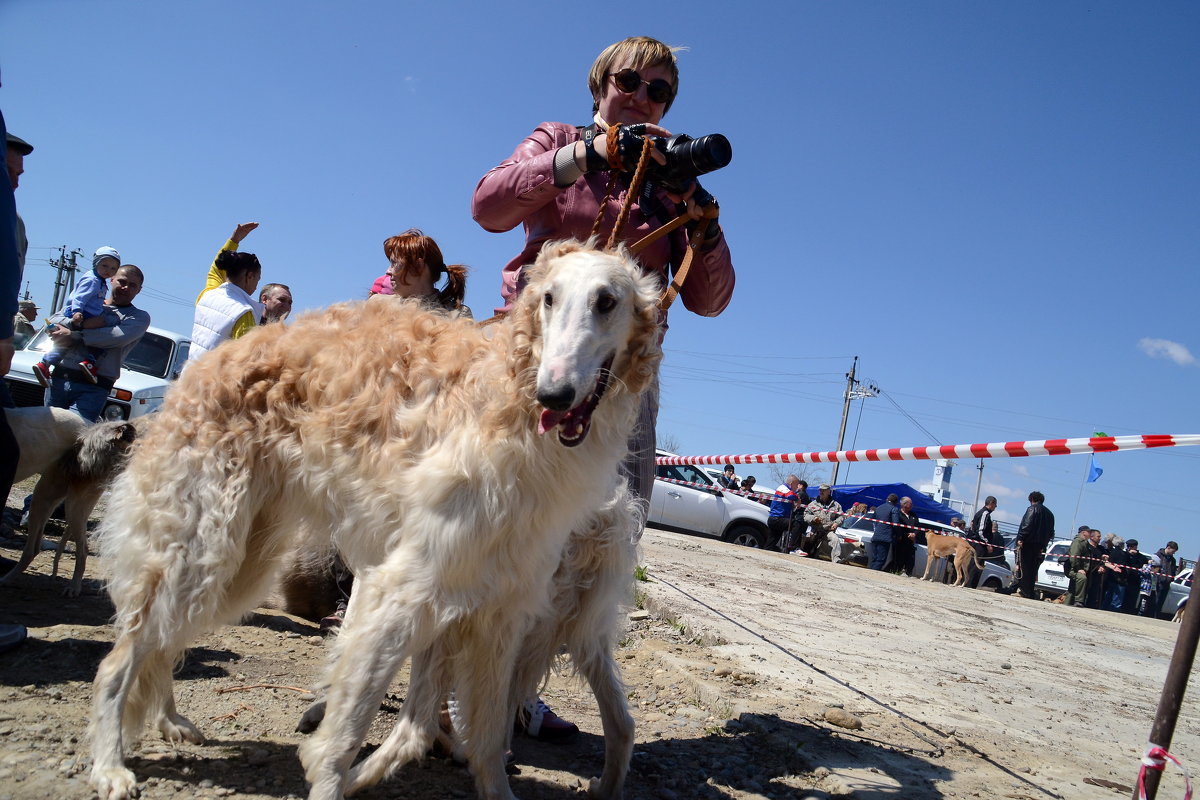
[(669, 294)]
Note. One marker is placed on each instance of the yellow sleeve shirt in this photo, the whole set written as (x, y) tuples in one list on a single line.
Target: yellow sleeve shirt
[(216, 276)]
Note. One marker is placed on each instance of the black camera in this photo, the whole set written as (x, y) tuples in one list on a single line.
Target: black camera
[(687, 159)]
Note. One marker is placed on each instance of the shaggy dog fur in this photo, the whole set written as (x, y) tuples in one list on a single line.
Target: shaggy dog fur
[(307, 585), (76, 462), (448, 463), (958, 549)]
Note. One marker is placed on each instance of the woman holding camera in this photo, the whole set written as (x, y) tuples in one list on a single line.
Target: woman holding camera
[(556, 179)]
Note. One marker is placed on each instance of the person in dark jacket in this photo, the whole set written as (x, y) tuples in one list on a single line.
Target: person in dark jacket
[(984, 538), (1135, 561), (1160, 579), (904, 539), (886, 515), (727, 480), (1035, 532), (1114, 576)]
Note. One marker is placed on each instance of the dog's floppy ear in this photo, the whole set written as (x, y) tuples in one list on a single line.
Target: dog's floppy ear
[(644, 349)]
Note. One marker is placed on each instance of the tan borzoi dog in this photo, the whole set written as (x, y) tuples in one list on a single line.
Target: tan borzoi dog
[(449, 464), (953, 548), (75, 461)]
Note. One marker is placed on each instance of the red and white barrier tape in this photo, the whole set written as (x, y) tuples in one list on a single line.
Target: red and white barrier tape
[(1156, 759), (1043, 447)]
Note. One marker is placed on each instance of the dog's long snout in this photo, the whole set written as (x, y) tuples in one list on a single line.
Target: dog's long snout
[(560, 397)]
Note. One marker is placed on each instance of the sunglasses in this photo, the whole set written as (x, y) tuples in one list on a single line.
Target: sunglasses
[(628, 81)]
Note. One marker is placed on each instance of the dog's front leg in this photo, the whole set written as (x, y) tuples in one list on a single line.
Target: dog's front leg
[(45, 498), (483, 684), (80, 502), (417, 726), (393, 618)]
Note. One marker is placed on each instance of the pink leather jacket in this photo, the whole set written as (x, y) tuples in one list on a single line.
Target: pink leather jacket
[(522, 190)]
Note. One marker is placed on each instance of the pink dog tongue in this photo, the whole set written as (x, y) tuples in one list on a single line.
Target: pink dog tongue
[(549, 420)]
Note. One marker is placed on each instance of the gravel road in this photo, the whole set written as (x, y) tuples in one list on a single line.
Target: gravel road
[(751, 675)]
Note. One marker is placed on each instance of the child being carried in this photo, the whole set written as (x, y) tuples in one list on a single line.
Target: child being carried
[(84, 310)]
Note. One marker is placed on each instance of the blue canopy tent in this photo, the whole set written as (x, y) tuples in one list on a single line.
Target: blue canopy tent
[(875, 493)]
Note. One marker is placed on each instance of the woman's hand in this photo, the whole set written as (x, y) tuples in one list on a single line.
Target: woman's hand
[(242, 231), (631, 158), (692, 208)]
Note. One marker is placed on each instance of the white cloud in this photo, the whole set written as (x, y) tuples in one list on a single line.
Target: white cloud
[(998, 490), (1165, 348)]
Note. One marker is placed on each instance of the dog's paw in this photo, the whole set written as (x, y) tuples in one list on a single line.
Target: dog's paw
[(72, 591), (114, 783), (312, 718), (177, 728), (596, 791)]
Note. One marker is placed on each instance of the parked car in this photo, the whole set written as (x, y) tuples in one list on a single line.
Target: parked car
[(857, 544), (1178, 591), (149, 368), (705, 509), (1051, 579)]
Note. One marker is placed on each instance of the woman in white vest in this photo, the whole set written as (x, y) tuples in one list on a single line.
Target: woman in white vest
[(226, 309)]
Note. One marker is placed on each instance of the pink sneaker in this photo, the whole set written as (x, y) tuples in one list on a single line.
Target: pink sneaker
[(539, 722), (333, 622)]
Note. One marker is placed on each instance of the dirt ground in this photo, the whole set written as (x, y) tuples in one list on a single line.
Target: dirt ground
[(744, 670)]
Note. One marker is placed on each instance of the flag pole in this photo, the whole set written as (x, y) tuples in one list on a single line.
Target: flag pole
[(1087, 473)]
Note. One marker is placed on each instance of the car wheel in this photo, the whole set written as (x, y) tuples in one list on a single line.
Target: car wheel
[(991, 585), (747, 536)]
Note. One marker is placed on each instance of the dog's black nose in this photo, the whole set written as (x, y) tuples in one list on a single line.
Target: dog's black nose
[(557, 398)]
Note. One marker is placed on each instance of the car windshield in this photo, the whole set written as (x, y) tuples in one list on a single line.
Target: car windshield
[(151, 355), (860, 523), (1060, 549)]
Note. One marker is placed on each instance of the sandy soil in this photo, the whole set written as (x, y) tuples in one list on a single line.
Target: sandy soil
[(743, 670)]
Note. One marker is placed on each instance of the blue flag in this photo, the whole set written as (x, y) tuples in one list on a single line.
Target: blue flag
[(1094, 471)]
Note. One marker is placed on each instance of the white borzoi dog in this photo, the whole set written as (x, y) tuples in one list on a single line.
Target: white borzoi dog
[(76, 462), (449, 463)]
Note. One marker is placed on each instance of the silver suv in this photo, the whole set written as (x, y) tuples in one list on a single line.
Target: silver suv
[(705, 508)]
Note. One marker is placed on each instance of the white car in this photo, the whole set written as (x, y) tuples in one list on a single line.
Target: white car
[(1178, 592), (1051, 579), (706, 508), (857, 535), (149, 368)]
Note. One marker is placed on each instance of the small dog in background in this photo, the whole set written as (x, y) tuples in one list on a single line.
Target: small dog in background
[(958, 550), (76, 461)]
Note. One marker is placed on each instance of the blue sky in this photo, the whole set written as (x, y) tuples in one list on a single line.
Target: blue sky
[(994, 206)]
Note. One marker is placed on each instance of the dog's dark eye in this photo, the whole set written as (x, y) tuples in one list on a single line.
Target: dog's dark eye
[(605, 303), (548, 299)]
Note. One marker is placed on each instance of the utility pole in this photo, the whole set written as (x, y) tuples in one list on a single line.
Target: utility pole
[(978, 486), (64, 279), (845, 416), (854, 391)]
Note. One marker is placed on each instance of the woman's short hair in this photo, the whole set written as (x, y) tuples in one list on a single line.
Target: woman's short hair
[(638, 52), (236, 264)]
